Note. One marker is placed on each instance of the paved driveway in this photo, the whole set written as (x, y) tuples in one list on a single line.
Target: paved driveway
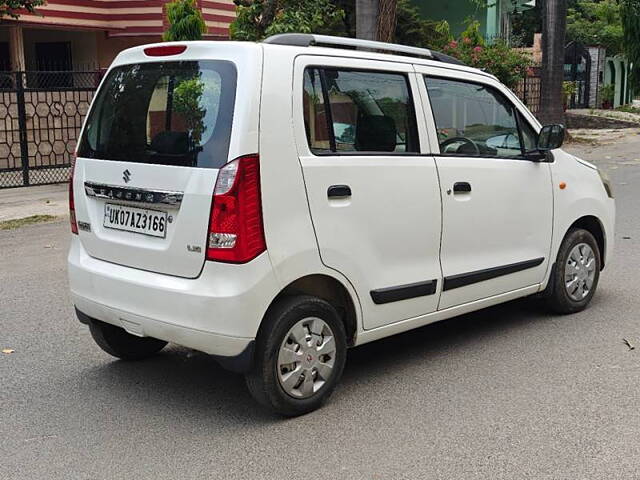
[(510, 392)]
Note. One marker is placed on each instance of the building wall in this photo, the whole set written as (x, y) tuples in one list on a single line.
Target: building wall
[(83, 46), (126, 17), (616, 71), (99, 29), (596, 77), (109, 47)]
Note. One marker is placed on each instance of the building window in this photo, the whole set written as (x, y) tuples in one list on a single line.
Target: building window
[(53, 62), (5, 62)]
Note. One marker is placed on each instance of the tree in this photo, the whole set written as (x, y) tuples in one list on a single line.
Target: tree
[(376, 19), (630, 16), (552, 71), (525, 25), (596, 23), (412, 29), (256, 19), (497, 58), (185, 21), (386, 20), (11, 8)]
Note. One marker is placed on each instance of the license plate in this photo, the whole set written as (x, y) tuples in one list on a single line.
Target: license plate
[(136, 220)]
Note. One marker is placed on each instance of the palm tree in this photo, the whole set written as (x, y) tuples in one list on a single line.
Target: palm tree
[(386, 22), (376, 19), (554, 22)]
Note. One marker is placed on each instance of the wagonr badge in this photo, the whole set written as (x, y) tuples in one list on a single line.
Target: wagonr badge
[(140, 195)]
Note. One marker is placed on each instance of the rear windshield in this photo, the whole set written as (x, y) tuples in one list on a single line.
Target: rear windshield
[(169, 113)]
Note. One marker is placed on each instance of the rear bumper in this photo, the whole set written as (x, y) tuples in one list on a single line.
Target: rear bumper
[(218, 313), (240, 362)]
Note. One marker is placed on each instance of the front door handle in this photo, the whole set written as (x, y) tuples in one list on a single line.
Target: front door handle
[(339, 191), (461, 187)]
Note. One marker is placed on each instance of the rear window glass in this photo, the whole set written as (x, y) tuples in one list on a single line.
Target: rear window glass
[(169, 113)]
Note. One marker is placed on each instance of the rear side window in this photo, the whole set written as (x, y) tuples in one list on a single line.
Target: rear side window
[(348, 111), (474, 119), (169, 113)]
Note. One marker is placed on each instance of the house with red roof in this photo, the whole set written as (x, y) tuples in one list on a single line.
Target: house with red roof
[(88, 34)]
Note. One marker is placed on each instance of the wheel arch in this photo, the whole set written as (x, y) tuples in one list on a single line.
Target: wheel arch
[(329, 289), (594, 226)]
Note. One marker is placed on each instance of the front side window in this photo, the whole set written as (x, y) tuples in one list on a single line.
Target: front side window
[(169, 113), (529, 136), (348, 111), (473, 119)]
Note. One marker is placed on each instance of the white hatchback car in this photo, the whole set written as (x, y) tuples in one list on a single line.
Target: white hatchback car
[(275, 203)]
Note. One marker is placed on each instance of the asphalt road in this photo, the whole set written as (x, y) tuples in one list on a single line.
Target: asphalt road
[(509, 392)]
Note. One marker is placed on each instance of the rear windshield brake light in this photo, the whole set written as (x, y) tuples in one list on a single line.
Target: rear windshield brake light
[(165, 50)]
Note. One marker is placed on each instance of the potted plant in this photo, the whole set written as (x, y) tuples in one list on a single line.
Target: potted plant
[(569, 89), (607, 93)]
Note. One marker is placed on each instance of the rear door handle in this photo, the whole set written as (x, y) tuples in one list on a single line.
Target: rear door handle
[(461, 187), (339, 191)]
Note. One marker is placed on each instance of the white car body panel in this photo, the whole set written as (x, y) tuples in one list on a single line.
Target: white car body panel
[(505, 219), (388, 232), (584, 196), (189, 220), (225, 300)]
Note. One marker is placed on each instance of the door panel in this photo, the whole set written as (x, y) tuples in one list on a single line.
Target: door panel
[(501, 225), (387, 234), (376, 216), (497, 206)]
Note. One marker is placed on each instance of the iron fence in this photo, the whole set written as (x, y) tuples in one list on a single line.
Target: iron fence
[(41, 113), (528, 89)]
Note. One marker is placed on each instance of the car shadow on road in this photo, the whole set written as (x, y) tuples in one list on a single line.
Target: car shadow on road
[(436, 338), (193, 387)]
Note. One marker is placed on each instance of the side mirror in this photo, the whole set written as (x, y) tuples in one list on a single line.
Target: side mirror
[(550, 137)]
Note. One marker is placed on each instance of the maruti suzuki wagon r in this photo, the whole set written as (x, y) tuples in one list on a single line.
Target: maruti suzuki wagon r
[(273, 204)]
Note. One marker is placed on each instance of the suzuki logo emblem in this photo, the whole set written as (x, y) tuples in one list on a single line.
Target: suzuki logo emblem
[(126, 176)]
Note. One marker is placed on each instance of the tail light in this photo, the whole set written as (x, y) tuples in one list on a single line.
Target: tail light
[(236, 233), (72, 205)]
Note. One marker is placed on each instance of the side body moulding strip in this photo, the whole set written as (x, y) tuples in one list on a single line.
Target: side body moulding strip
[(403, 292), (464, 279)]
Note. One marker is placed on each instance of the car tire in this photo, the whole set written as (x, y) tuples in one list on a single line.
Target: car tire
[(117, 342), (300, 355), (575, 276)]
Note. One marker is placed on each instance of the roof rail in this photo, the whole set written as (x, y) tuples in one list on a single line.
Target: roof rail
[(310, 39)]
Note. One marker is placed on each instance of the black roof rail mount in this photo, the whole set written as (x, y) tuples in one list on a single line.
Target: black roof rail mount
[(310, 39)]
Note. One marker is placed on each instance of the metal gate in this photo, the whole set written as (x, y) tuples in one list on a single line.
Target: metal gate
[(41, 114), (577, 69)]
